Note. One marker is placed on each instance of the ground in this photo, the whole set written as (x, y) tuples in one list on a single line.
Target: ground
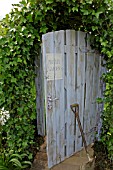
[(40, 161), (102, 162), (100, 153)]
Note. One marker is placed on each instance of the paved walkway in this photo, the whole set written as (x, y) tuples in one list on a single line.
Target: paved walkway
[(78, 161)]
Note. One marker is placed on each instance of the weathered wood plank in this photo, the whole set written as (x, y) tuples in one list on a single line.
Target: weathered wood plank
[(48, 49), (71, 97), (96, 83), (80, 83), (59, 94), (89, 84), (101, 88), (90, 97), (39, 96)]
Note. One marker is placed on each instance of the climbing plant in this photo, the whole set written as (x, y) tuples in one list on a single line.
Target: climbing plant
[(20, 45)]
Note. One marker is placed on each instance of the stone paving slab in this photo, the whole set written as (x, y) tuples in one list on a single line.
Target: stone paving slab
[(63, 166), (78, 161)]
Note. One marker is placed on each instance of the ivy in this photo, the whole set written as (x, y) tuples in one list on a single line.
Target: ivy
[(20, 44)]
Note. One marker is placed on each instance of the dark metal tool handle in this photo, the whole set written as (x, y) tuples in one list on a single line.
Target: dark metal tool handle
[(76, 112)]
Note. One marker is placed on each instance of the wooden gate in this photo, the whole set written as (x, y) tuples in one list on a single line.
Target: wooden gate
[(72, 73)]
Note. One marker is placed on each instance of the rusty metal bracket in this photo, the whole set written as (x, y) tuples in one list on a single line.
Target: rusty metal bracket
[(75, 109)]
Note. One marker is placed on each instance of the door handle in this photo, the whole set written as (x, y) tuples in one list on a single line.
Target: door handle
[(50, 100)]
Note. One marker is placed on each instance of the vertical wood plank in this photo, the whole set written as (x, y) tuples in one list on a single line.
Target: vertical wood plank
[(80, 83), (101, 88), (39, 81), (89, 87), (59, 104), (95, 93), (92, 87), (48, 48), (71, 96)]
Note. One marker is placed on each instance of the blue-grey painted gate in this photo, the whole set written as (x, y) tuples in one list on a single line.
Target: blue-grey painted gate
[(71, 71)]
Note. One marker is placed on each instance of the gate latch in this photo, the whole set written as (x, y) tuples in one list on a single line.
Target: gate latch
[(50, 100)]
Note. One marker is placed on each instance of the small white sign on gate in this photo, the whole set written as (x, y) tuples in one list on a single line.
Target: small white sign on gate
[(54, 66)]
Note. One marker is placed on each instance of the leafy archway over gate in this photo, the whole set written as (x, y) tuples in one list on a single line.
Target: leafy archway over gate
[(20, 44)]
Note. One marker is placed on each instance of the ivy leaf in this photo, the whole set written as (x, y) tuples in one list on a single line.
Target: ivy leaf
[(85, 12), (75, 9), (99, 100), (13, 80), (29, 18), (43, 29), (19, 60), (49, 1), (94, 28), (99, 11)]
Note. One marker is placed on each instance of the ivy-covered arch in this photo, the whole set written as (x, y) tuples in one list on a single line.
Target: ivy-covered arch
[(19, 45)]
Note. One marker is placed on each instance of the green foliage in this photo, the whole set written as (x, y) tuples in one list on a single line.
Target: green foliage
[(14, 161), (17, 79), (20, 45), (102, 161)]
